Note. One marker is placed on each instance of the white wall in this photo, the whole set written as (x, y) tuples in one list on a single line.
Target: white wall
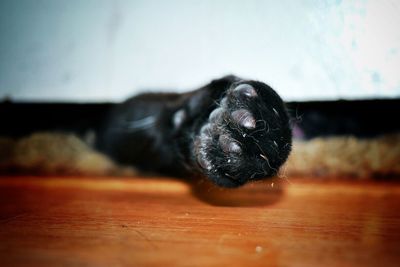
[(99, 50)]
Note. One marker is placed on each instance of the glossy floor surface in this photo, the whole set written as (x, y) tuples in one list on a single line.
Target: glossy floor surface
[(73, 221)]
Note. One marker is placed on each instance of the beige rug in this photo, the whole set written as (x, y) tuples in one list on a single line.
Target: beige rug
[(344, 157)]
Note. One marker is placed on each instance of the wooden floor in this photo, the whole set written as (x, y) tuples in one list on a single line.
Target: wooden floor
[(71, 221)]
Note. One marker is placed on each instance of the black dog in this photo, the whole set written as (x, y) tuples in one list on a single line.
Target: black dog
[(231, 131)]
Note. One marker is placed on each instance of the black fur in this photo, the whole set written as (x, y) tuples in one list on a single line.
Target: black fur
[(247, 137)]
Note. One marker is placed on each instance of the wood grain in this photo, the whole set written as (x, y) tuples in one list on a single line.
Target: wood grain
[(73, 221)]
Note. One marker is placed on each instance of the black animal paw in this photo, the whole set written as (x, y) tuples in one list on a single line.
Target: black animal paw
[(246, 137), (230, 130)]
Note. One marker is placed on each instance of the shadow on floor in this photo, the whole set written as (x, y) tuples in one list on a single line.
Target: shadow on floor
[(256, 194)]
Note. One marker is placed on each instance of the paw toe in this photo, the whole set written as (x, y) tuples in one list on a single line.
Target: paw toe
[(201, 155), (229, 145), (203, 162), (216, 114), (244, 118), (206, 131), (245, 90)]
